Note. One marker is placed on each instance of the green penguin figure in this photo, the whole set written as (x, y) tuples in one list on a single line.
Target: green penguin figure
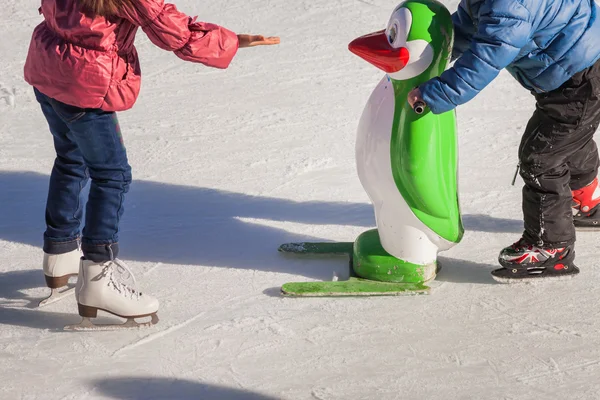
[(406, 161)]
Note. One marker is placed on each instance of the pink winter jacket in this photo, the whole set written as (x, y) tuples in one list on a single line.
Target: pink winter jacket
[(92, 62)]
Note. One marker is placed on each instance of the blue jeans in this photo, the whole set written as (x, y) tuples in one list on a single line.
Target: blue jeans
[(88, 145)]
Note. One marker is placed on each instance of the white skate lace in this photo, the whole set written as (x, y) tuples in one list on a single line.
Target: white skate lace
[(115, 270)]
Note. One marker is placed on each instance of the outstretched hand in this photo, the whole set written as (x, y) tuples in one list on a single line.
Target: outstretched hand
[(257, 40)]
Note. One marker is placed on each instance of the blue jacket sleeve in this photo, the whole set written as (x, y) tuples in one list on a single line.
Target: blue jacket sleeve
[(501, 34), (464, 29)]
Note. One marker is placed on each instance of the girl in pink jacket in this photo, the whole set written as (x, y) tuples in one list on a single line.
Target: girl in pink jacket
[(83, 66)]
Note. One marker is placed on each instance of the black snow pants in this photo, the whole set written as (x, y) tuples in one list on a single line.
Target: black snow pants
[(558, 154)]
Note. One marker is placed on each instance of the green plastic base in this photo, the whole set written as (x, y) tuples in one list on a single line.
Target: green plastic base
[(371, 261), (352, 287), (335, 248), (379, 273)]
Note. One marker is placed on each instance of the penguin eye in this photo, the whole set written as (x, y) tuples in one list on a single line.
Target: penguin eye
[(392, 33)]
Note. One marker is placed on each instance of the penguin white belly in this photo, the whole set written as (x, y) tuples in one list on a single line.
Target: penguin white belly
[(402, 234)]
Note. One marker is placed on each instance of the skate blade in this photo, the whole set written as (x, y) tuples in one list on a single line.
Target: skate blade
[(87, 325), (56, 295), (533, 280)]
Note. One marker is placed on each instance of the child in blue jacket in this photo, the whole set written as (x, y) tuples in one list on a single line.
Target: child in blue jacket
[(552, 48)]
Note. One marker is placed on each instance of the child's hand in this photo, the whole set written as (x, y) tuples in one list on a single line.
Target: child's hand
[(414, 96), (415, 99), (256, 40)]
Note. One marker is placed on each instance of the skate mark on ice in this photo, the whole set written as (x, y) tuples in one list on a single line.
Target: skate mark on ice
[(368, 3), (456, 359), (9, 95), (558, 371), (253, 324), (555, 364), (157, 265), (157, 335), (546, 328), (322, 393), (494, 369)]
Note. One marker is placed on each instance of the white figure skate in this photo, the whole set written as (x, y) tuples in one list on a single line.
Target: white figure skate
[(58, 268), (101, 286)]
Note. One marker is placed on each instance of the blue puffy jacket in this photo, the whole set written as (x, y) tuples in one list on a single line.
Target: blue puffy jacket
[(542, 43)]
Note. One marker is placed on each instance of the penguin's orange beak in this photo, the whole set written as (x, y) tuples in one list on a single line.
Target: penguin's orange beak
[(376, 49)]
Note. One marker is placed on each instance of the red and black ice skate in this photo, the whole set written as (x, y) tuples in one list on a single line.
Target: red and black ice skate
[(586, 207), (524, 262)]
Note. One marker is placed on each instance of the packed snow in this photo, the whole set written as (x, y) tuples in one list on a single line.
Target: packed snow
[(230, 164)]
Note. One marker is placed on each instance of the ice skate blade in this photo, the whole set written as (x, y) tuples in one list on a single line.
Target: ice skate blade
[(56, 295), (87, 325), (534, 280)]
